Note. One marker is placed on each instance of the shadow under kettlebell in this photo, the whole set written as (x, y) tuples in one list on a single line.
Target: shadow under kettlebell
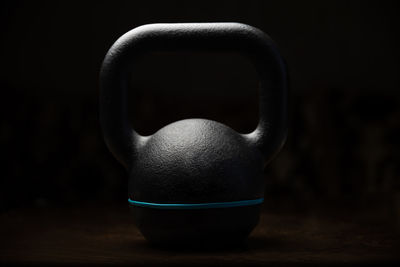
[(196, 228)]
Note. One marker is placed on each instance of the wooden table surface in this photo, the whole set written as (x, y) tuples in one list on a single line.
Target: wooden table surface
[(106, 235)]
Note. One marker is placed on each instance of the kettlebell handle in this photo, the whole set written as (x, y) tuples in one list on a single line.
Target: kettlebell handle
[(124, 142)]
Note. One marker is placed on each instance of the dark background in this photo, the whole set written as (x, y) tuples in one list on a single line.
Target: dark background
[(332, 193), (343, 59)]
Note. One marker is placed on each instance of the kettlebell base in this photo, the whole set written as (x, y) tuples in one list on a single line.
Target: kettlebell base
[(206, 228)]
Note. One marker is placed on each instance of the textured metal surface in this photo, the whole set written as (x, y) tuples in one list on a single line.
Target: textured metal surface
[(194, 160)]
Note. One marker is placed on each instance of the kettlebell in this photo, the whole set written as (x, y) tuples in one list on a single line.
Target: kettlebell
[(195, 181)]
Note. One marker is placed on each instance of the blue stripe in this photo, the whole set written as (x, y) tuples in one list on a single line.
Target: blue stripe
[(211, 205)]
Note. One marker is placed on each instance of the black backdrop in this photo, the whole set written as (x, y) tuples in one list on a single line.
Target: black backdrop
[(343, 61)]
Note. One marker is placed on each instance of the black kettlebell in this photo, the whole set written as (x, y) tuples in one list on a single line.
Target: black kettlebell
[(195, 181)]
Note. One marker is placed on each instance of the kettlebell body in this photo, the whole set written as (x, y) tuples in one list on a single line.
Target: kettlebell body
[(195, 181)]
